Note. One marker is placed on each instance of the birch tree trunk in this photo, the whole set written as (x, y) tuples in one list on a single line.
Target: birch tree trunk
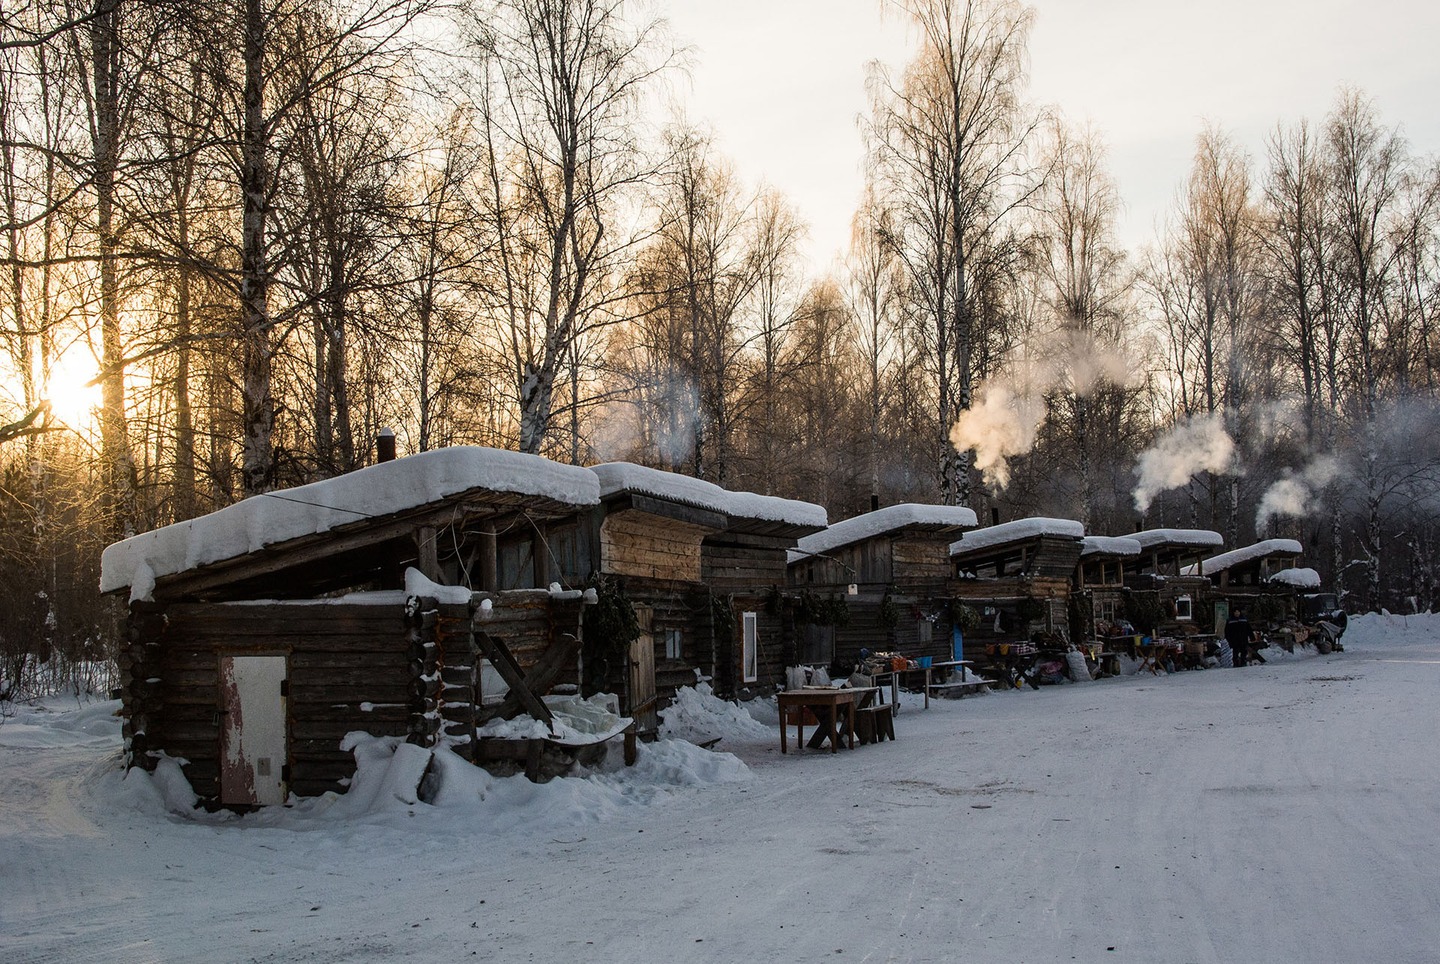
[(257, 348)]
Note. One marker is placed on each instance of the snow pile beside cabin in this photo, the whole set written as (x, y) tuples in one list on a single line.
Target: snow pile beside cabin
[(396, 781), (1237, 557), (618, 477), (378, 490), (699, 716), (1016, 531), (1109, 545), (879, 522), (1198, 538), (1299, 578)]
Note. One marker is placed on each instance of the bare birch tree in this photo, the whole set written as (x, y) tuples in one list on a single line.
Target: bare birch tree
[(564, 83), (948, 140)]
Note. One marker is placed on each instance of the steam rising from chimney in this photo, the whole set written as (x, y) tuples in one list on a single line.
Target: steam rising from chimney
[(1000, 425), (1007, 413), (669, 433), (1293, 494), (1198, 445)]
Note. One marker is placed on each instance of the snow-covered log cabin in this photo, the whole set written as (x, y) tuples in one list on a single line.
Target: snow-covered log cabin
[(261, 634), (1163, 598), (1098, 594), (1017, 575), (695, 563), (1262, 579), (898, 560)]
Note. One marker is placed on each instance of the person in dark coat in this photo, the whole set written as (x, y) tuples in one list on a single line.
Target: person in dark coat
[(1238, 634)]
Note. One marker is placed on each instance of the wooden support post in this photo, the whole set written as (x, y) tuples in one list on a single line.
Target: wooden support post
[(427, 553), (540, 557), (489, 565)]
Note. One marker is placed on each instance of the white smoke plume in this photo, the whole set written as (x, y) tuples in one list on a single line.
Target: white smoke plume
[(1000, 425), (668, 432), (1007, 413), (1295, 493), (1198, 445), (1086, 363)]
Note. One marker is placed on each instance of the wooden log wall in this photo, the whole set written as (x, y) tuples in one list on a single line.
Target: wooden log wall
[(347, 671), (374, 668), (745, 570), (443, 675), (744, 564), (634, 543), (527, 621), (142, 685), (676, 605), (777, 644), (920, 562)]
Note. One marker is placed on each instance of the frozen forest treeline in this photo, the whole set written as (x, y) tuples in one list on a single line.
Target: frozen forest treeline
[(279, 226)]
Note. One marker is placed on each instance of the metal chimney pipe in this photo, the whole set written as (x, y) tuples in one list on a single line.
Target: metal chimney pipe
[(385, 445), (994, 515), (874, 501)]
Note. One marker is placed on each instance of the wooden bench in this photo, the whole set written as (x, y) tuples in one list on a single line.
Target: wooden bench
[(959, 688), (875, 722)]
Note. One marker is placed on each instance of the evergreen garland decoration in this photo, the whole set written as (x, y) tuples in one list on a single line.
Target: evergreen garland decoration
[(965, 616), (821, 610), (610, 627), (1030, 610), (722, 615), (1144, 610), (889, 612)]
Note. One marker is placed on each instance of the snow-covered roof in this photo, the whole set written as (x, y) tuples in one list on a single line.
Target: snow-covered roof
[(1299, 578), (1016, 531), (1190, 538), (616, 477), (1110, 546), (880, 522), (377, 491), (1236, 557)]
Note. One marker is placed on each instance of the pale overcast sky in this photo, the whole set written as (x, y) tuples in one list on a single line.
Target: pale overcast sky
[(782, 84)]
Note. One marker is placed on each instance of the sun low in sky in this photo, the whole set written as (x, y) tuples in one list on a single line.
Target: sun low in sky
[(73, 400)]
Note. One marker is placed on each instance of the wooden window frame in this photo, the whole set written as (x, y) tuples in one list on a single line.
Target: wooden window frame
[(750, 647)]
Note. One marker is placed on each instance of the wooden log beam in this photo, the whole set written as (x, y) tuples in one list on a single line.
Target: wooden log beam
[(489, 560), (427, 553)]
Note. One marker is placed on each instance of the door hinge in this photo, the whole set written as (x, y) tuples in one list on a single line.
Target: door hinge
[(284, 687), (285, 773)]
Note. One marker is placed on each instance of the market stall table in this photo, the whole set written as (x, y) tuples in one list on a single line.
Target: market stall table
[(968, 682), (894, 675), (824, 701)]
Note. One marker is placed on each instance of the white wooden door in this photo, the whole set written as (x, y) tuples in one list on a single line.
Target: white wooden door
[(253, 732)]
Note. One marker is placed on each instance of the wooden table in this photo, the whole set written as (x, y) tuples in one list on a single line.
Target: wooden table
[(895, 675), (973, 685), (1156, 654), (828, 698)]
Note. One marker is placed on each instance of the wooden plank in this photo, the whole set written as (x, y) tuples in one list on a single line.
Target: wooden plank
[(498, 653), (689, 516)]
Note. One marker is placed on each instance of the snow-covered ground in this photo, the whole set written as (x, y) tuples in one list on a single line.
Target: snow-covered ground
[(1284, 812)]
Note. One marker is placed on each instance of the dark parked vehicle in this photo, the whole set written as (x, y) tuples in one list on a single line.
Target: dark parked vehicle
[(1323, 607)]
